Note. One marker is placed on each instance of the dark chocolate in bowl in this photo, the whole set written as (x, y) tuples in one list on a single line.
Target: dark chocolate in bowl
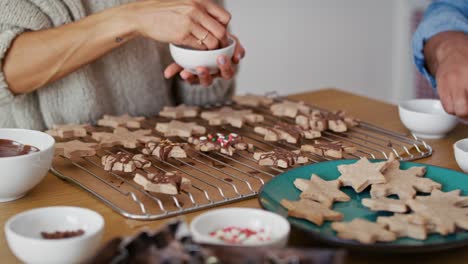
[(11, 148)]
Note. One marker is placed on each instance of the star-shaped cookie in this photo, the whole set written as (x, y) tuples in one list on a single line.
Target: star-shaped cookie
[(402, 225), (289, 109), (403, 183), (362, 174), (252, 100), (310, 210), (317, 189), (385, 204), (123, 120), (284, 131), (75, 148), (124, 137), (363, 231), (227, 115), (180, 129), (69, 131), (280, 158), (445, 210), (180, 111), (333, 149)]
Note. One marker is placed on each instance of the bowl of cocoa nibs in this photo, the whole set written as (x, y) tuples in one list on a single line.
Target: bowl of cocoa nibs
[(59, 234)]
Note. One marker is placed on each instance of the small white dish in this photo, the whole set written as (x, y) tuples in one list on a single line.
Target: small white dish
[(426, 118), (461, 153), (22, 173), (23, 234), (190, 59), (274, 225)]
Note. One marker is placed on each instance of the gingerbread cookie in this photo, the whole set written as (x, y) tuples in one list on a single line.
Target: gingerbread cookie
[(284, 131), (280, 158), (252, 100), (363, 231), (310, 210), (124, 137), (403, 183), (180, 111), (167, 183), (289, 109), (445, 210), (69, 131), (317, 189), (75, 148), (385, 204), (180, 129), (333, 149), (226, 144), (124, 162), (165, 150), (227, 115), (123, 120), (362, 174), (403, 226), (316, 121)]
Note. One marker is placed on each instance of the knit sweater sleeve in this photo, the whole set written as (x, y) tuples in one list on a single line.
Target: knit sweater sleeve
[(15, 18)]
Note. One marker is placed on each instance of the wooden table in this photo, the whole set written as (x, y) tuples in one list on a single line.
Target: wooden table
[(52, 191)]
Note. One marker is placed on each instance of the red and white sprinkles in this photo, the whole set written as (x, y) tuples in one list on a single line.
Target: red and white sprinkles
[(221, 139), (239, 235)]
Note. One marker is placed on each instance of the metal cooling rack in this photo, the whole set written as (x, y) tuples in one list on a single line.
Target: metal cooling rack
[(217, 178)]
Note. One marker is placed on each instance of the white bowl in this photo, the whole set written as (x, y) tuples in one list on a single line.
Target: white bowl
[(190, 59), (461, 153), (23, 234), (426, 118), (275, 225), (22, 173)]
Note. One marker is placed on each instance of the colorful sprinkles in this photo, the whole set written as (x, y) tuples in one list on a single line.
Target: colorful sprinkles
[(220, 138), (239, 235)]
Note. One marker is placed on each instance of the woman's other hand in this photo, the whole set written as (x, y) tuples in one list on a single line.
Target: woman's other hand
[(182, 22), (227, 68)]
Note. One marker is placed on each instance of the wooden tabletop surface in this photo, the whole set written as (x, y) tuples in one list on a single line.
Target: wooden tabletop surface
[(53, 192)]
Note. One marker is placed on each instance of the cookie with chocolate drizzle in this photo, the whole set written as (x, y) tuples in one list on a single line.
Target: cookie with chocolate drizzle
[(124, 162), (333, 149), (280, 158), (288, 132), (165, 149), (167, 183), (226, 144)]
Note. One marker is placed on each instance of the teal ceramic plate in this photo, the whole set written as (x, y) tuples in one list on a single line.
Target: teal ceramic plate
[(281, 187)]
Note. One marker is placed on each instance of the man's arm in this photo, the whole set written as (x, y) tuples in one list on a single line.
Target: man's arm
[(440, 47)]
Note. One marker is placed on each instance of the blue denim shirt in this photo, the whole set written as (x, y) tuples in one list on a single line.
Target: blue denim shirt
[(441, 15)]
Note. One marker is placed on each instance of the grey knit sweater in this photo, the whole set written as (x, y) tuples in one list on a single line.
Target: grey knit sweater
[(127, 80)]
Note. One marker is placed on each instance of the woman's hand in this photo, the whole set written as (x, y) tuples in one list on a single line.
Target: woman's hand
[(182, 22), (227, 68)]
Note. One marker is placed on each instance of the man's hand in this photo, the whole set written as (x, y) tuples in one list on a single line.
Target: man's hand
[(447, 59)]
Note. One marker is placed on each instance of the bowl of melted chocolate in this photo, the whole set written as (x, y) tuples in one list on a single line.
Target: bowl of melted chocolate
[(25, 157)]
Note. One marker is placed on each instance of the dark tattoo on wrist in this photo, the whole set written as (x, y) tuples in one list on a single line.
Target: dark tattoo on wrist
[(118, 39)]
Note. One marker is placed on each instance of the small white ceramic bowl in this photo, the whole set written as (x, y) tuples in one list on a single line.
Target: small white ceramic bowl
[(190, 59), (22, 173), (23, 234), (461, 153), (426, 118), (275, 226)]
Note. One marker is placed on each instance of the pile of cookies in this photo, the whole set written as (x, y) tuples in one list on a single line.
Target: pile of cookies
[(415, 215)]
